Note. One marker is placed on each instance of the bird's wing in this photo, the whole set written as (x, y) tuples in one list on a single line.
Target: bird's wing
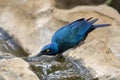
[(66, 30), (62, 34), (79, 30), (71, 33)]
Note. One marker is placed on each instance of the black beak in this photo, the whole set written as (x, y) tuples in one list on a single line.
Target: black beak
[(39, 54), (34, 58)]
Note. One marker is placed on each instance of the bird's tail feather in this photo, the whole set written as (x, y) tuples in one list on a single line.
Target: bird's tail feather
[(100, 25), (89, 18), (93, 21), (97, 25)]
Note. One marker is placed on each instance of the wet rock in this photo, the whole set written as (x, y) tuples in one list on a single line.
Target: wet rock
[(6, 56), (8, 44), (15, 69)]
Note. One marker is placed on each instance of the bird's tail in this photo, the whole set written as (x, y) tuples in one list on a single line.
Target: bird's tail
[(100, 25), (97, 25)]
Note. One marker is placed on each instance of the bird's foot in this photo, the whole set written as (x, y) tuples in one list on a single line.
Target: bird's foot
[(59, 58)]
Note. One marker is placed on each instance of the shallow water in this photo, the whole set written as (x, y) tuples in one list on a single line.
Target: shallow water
[(48, 68)]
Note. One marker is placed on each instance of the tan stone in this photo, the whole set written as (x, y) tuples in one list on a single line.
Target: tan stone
[(16, 68), (20, 20), (97, 58)]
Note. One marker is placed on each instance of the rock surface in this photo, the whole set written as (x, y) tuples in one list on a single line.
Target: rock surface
[(15, 69), (32, 23), (98, 58)]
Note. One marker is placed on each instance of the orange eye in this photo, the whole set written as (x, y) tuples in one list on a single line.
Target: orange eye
[(47, 50)]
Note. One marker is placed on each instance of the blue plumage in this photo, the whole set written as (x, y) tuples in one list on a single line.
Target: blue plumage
[(69, 36)]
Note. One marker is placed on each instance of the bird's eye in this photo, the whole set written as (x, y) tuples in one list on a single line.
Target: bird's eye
[(47, 51)]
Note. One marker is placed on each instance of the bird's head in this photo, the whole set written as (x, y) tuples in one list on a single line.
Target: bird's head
[(50, 49)]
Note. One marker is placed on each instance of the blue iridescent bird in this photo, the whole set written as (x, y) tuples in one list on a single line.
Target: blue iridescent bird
[(69, 36)]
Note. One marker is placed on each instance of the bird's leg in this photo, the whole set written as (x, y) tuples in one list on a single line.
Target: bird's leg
[(58, 55), (59, 58)]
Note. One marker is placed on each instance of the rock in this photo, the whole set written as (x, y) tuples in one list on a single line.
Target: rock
[(15, 69), (6, 56), (33, 23), (17, 26), (98, 58)]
